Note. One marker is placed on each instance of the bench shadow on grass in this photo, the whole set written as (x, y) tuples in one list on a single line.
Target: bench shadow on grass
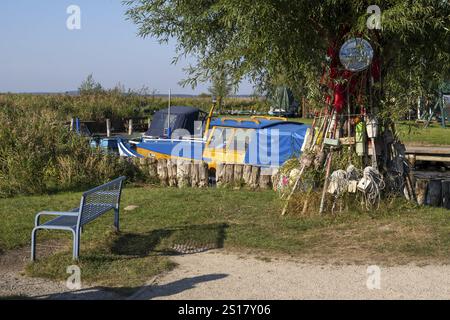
[(171, 241)]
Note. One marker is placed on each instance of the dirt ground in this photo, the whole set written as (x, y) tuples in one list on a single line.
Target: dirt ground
[(223, 275)]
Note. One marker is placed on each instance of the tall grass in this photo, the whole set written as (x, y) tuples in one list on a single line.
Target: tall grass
[(116, 105), (39, 154)]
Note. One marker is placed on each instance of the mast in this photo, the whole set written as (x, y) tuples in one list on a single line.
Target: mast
[(210, 115), (168, 115)]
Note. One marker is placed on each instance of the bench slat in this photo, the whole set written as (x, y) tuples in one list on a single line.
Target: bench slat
[(63, 221)]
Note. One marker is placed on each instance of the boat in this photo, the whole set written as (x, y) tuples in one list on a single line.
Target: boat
[(187, 133)]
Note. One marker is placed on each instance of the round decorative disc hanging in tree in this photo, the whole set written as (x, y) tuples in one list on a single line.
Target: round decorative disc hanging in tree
[(356, 54)]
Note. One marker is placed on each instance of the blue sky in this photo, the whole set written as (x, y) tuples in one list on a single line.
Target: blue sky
[(39, 54)]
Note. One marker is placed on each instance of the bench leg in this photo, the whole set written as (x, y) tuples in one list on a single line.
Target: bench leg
[(116, 220), (76, 245), (33, 244)]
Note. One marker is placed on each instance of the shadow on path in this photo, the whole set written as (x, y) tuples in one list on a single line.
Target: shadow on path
[(140, 293)]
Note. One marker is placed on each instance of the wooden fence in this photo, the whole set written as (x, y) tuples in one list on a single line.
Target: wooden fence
[(184, 173)]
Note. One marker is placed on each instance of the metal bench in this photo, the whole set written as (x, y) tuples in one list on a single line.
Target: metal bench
[(94, 203)]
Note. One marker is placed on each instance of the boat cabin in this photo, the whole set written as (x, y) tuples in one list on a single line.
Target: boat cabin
[(166, 121)]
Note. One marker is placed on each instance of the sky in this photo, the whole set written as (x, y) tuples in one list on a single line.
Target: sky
[(39, 53)]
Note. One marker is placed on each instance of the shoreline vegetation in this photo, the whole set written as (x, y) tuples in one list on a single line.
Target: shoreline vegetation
[(44, 166)]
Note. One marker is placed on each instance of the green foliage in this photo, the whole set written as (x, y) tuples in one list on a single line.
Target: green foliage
[(90, 86), (271, 39), (221, 87)]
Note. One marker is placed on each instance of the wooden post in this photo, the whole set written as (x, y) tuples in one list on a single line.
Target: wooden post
[(446, 194), (421, 191), (254, 177), (220, 172), (264, 181), (434, 194), (137, 163), (72, 124), (130, 127), (108, 128), (162, 172), (229, 173), (152, 168), (204, 174), (143, 164), (238, 172), (247, 174), (172, 172), (183, 173), (275, 180), (195, 174)]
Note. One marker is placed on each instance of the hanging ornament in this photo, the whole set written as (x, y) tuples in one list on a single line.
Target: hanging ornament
[(339, 97), (376, 69), (356, 54)]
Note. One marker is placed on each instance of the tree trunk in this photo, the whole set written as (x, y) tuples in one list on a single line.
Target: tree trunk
[(434, 195), (421, 191)]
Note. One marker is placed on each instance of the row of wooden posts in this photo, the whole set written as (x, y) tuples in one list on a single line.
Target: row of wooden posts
[(196, 174), (129, 125), (433, 192)]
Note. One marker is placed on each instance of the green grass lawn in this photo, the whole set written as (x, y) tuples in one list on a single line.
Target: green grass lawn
[(239, 220), (413, 133)]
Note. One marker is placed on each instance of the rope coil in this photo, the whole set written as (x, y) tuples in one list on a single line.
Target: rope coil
[(371, 185)]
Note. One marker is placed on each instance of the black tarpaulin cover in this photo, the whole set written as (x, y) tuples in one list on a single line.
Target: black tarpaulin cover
[(180, 118)]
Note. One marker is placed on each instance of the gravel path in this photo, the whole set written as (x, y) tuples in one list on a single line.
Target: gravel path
[(14, 284), (215, 275), (220, 275)]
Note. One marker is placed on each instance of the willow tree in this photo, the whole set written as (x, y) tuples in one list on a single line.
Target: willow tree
[(267, 38)]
